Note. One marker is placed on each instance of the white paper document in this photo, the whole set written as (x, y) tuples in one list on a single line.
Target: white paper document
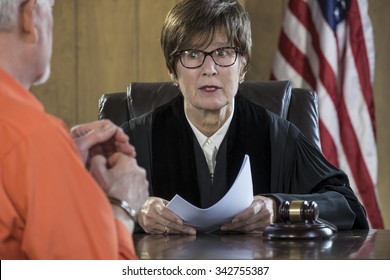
[(239, 197)]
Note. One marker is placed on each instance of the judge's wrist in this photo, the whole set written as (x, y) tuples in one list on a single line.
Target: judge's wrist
[(270, 200)]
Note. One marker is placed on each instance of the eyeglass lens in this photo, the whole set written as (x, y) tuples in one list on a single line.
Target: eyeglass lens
[(195, 58)]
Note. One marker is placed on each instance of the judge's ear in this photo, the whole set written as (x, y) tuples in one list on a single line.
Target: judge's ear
[(27, 22), (173, 77), (243, 69), (242, 76)]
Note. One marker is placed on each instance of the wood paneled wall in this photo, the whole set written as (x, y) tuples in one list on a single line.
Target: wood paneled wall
[(100, 46)]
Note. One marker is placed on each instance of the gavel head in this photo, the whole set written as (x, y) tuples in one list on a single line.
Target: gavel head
[(299, 211)]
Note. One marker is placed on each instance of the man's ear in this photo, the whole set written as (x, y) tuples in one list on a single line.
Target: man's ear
[(27, 24)]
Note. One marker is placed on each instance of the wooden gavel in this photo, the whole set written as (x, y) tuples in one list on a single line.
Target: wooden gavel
[(299, 219), (299, 211)]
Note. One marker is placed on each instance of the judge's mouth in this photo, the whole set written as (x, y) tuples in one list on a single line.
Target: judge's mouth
[(210, 89)]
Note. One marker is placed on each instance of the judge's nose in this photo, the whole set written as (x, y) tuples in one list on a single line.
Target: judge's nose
[(209, 67)]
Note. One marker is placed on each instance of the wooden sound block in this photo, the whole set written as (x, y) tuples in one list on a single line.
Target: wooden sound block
[(299, 231)]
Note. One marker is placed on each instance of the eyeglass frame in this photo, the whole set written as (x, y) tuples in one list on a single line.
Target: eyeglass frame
[(210, 53)]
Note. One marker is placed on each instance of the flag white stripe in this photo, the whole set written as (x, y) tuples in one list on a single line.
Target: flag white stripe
[(326, 36), (368, 36), (359, 116), (284, 71), (302, 40), (294, 27)]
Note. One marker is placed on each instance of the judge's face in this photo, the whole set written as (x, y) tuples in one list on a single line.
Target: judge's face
[(210, 87)]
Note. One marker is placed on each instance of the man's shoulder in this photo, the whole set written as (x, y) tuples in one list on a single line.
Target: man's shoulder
[(21, 122)]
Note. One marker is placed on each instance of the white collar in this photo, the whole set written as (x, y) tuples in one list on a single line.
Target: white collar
[(217, 138)]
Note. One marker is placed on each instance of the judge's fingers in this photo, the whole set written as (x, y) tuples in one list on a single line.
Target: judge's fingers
[(253, 212), (255, 217), (173, 228), (174, 224), (155, 218), (261, 209), (240, 222), (149, 215)]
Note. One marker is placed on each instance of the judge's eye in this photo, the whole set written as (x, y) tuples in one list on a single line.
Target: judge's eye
[(193, 54), (221, 52)]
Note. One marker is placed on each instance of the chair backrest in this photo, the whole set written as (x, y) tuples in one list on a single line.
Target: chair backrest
[(298, 105)]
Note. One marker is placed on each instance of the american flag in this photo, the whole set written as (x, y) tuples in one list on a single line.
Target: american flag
[(327, 45)]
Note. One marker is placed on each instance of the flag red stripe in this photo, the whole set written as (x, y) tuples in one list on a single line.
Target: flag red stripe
[(359, 52), (328, 146), (299, 62)]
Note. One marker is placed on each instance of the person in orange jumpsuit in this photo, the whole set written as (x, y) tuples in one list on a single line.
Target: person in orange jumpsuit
[(54, 185)]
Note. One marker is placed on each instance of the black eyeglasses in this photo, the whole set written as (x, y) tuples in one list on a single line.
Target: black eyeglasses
[(223, 57)]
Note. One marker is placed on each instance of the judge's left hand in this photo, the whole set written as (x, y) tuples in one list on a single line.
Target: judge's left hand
[(255, 218), (100, 138)]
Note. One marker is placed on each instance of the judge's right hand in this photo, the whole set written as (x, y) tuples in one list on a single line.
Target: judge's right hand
[(155, 218)]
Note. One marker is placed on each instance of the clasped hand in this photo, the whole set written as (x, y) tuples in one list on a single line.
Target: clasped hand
[(107, 153), (100, 138)]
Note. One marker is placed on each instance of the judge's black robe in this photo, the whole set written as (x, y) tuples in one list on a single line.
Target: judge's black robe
[(284, 164)]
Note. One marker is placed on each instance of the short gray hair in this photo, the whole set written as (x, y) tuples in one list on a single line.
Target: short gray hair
[(9, 13)]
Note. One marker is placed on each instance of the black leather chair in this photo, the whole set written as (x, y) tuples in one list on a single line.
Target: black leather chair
[(298, 105)]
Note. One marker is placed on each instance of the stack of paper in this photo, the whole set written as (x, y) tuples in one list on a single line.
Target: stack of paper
[(238, 198)]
